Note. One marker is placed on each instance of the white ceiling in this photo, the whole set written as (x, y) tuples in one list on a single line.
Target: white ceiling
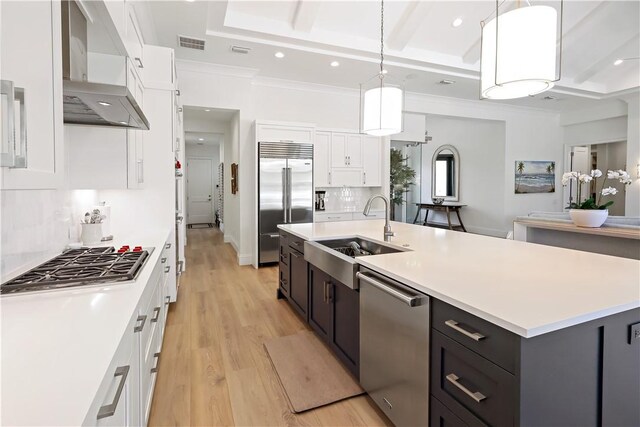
[(203, 138), (421, 45)]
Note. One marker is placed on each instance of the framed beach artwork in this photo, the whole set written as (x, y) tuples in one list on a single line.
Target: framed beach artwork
[(535, 177)]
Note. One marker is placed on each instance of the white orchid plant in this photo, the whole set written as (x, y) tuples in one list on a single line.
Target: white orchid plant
[(583, 178)]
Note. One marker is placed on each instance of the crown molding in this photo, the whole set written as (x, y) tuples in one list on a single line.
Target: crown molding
[(211, 68)]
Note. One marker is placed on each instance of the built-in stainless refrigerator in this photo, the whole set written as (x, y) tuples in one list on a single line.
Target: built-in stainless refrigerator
[(285, 192)]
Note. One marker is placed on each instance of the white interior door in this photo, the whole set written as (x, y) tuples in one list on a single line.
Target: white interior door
[(200, 191)]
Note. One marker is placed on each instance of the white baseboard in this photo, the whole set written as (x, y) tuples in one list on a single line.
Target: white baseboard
[(244, 259)]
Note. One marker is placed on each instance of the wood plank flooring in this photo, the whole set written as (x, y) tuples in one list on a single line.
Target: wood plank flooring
[(213, 368)]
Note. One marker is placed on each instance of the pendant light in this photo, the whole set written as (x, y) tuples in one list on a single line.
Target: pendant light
[(519, 54), (381, 98)]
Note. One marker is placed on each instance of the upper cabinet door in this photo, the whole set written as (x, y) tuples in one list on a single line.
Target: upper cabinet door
[(338, 150), (371, 161), (134, 41), (353, 150), (321, 150), (31, 73)]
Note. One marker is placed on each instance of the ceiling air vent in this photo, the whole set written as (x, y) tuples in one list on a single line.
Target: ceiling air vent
[(240, 49), (191, 43)]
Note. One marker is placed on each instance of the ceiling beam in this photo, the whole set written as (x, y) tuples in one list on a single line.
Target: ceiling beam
[(472, 55), (305, 15), (408, 24), (607, 61)]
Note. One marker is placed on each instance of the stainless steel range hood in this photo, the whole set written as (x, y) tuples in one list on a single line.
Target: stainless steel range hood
[(87, 103)]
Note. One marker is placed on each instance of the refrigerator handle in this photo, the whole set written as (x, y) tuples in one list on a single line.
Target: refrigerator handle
[(284, 195), (289, 192)]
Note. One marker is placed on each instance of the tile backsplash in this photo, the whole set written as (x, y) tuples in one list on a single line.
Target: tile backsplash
[(349, 199), (37, 224)]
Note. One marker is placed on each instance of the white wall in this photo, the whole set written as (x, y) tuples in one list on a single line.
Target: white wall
[(481, 145), (37, 225)]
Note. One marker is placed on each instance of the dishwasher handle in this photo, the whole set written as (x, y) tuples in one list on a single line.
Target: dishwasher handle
[(412, 300)]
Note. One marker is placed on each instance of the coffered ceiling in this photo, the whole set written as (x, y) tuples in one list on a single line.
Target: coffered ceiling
[(421, 44)]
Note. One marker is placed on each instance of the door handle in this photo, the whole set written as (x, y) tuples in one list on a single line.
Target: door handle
[(156, 310), (110, 409), (475, 395), (410, 300), (143, 320), (10, 157), (157, 357)]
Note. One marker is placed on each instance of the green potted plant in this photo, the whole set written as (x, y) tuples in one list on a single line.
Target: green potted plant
[(401, 180), (590, 212)]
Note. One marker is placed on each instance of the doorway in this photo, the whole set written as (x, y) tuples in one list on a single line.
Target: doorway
[(603, 156), (407, 155)]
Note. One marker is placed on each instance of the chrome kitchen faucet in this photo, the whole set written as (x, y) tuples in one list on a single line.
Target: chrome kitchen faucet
[(387, 211)]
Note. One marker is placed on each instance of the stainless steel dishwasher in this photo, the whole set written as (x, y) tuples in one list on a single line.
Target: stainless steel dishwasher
[(394, 348)]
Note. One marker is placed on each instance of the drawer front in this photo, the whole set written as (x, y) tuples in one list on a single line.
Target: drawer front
[(327, 217), (441, 416), (496, 344), (284, 248), (296, 243), (469, 385), (284, 278)]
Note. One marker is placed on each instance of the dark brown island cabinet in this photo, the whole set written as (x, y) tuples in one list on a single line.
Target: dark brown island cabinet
[(584, 375), (330, 307)]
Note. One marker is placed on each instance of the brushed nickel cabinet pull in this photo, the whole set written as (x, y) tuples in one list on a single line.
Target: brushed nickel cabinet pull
[(168, 246), (167, 268), (110, 409), (163, 260), (473, 335), (139, 61), (168, 300), (475, 395), (157, 356), (140, 327), (156, 311)]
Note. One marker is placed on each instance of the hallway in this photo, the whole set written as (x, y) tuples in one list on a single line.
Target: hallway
[(213, 368)]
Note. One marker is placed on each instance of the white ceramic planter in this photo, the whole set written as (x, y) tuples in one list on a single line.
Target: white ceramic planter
[(592, 218), (91, 234)]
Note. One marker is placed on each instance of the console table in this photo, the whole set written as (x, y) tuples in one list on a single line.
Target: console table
[(444, 207)]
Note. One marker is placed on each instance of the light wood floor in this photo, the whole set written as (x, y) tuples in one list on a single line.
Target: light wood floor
[(213, 367)]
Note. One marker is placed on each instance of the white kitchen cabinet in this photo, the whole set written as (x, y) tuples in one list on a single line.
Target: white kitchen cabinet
[(321, 153), (133, 37), (346, 150), (282, 132), (336, 216), (31, 73), (371, 161), (117, 402), (345, 177)]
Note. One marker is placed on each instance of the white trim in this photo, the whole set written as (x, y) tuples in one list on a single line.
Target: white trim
[(244, 259)]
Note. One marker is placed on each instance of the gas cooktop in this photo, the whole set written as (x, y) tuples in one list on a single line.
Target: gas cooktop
[(78, 267)]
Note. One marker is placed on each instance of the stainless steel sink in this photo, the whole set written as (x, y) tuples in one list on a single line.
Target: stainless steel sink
[(338, 257)]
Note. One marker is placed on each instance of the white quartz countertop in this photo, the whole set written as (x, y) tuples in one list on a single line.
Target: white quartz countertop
[(57, 345), (526, 288)]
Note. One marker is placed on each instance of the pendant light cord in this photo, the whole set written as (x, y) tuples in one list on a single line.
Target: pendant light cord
[(381, 37)]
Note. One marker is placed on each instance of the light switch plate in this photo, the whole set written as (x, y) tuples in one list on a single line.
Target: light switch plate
[(634, 334)]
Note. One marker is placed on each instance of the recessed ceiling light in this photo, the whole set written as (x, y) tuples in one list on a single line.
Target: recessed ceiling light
[(457, 22), (106, 104), (549, 98), (384, 71), (200, 139), (618, 61), (279, 55), (335, 64), (189, 1), (206, 109), (124, 123), (446, 82)]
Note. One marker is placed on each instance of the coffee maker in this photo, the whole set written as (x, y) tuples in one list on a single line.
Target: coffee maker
[(320, 195)]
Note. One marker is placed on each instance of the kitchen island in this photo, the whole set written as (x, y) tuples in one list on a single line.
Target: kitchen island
[(557, 325)]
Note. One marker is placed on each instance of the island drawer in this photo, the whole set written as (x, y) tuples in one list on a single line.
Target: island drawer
[(469, 385), (284, 278), (496, 344), (441, 416), (296, 243), (284, 248)]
